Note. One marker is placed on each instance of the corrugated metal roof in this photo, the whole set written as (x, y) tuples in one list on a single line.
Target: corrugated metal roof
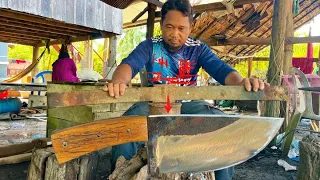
[(118, 3), (31, 21)]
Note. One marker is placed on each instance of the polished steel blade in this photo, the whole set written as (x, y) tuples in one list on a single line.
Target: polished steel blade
[(194, 143)]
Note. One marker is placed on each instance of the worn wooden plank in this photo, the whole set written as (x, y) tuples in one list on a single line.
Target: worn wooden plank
[(88, 167), (37, 101), (23, 87), (159, 94), (107, 115), (66, 171), (38, 163), (79, 114), (56, 124), (70, 87)]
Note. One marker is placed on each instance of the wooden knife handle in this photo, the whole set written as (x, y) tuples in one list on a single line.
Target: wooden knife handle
[(73, 142)]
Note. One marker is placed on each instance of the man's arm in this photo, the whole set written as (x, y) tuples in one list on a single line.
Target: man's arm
[(128, 69), (226, 75)]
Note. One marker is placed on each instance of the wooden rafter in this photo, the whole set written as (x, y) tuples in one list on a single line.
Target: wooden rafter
[(305, 8), (260, 41), (38, 27), (154, 2), (219, 6)]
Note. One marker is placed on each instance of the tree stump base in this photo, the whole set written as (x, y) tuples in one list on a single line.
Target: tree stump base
[(309, 165), (137, 169), (44, 165)]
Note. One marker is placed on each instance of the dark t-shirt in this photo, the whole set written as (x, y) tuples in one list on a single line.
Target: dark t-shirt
[(179, 67)]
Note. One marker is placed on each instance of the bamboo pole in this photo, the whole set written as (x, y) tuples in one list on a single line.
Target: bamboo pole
[(35, 56), (288, 48), (150, 28), (250, 67), (277, 53)]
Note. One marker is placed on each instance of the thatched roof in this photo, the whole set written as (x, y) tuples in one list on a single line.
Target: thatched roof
[(254, 20)]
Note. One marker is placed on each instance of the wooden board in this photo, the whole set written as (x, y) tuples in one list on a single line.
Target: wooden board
[(125, 129), (56, 123), (160, 93)]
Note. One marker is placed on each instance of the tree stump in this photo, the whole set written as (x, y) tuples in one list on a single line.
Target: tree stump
[(44, 165), (137, 169), (309, 165)]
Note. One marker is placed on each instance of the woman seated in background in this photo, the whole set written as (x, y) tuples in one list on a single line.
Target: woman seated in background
[(64, 69)]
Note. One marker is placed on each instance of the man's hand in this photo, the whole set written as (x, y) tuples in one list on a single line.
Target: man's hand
[(115, 89), (254, 84)]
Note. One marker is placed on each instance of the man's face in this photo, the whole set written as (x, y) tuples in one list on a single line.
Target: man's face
[(175, 29)]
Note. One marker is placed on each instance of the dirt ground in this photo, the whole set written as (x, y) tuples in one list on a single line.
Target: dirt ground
[(264, 166)]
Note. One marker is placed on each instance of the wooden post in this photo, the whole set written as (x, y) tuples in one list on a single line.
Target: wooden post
[(250, 67), (150, 28), (88, 60), (105, 56), (35, 56), (112, 56), (288, 48), (277, 53)]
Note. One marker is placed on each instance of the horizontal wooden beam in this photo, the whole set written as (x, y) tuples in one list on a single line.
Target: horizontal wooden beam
[(38, 27), (138, 23), (218, 6), (259, 41), (160, 93), (267, 59), (17, 41), (155, 2), (23, 87), (77, 39)]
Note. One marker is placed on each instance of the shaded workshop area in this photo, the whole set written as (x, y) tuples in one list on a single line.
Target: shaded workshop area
[(34, 109)]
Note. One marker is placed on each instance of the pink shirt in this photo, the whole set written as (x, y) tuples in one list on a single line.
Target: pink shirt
[(64, 70)]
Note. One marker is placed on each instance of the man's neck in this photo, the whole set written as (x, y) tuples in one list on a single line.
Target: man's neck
[(169, 48)]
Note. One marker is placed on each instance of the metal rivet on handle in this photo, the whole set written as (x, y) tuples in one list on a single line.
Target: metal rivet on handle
[(64, 144), (128, 130)]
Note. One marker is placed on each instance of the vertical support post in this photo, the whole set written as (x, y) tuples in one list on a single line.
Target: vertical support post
[(88, 60), (277, 53), (150, 28), (105, 57), (35, 56), (288, 48), (249, 67), (112, 56)]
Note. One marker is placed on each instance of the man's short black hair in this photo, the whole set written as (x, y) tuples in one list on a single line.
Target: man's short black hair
[(183, 6)]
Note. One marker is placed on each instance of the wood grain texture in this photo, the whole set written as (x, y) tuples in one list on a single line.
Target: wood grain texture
[(79, 140), (159, 94)]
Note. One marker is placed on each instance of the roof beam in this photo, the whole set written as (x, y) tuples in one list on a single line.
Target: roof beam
[(259, 41), (218, 6), (155, 2), (38, 27), (77, 39), (15, 41)]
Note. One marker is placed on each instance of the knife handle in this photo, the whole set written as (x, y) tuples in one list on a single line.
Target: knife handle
[(73, 142)]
